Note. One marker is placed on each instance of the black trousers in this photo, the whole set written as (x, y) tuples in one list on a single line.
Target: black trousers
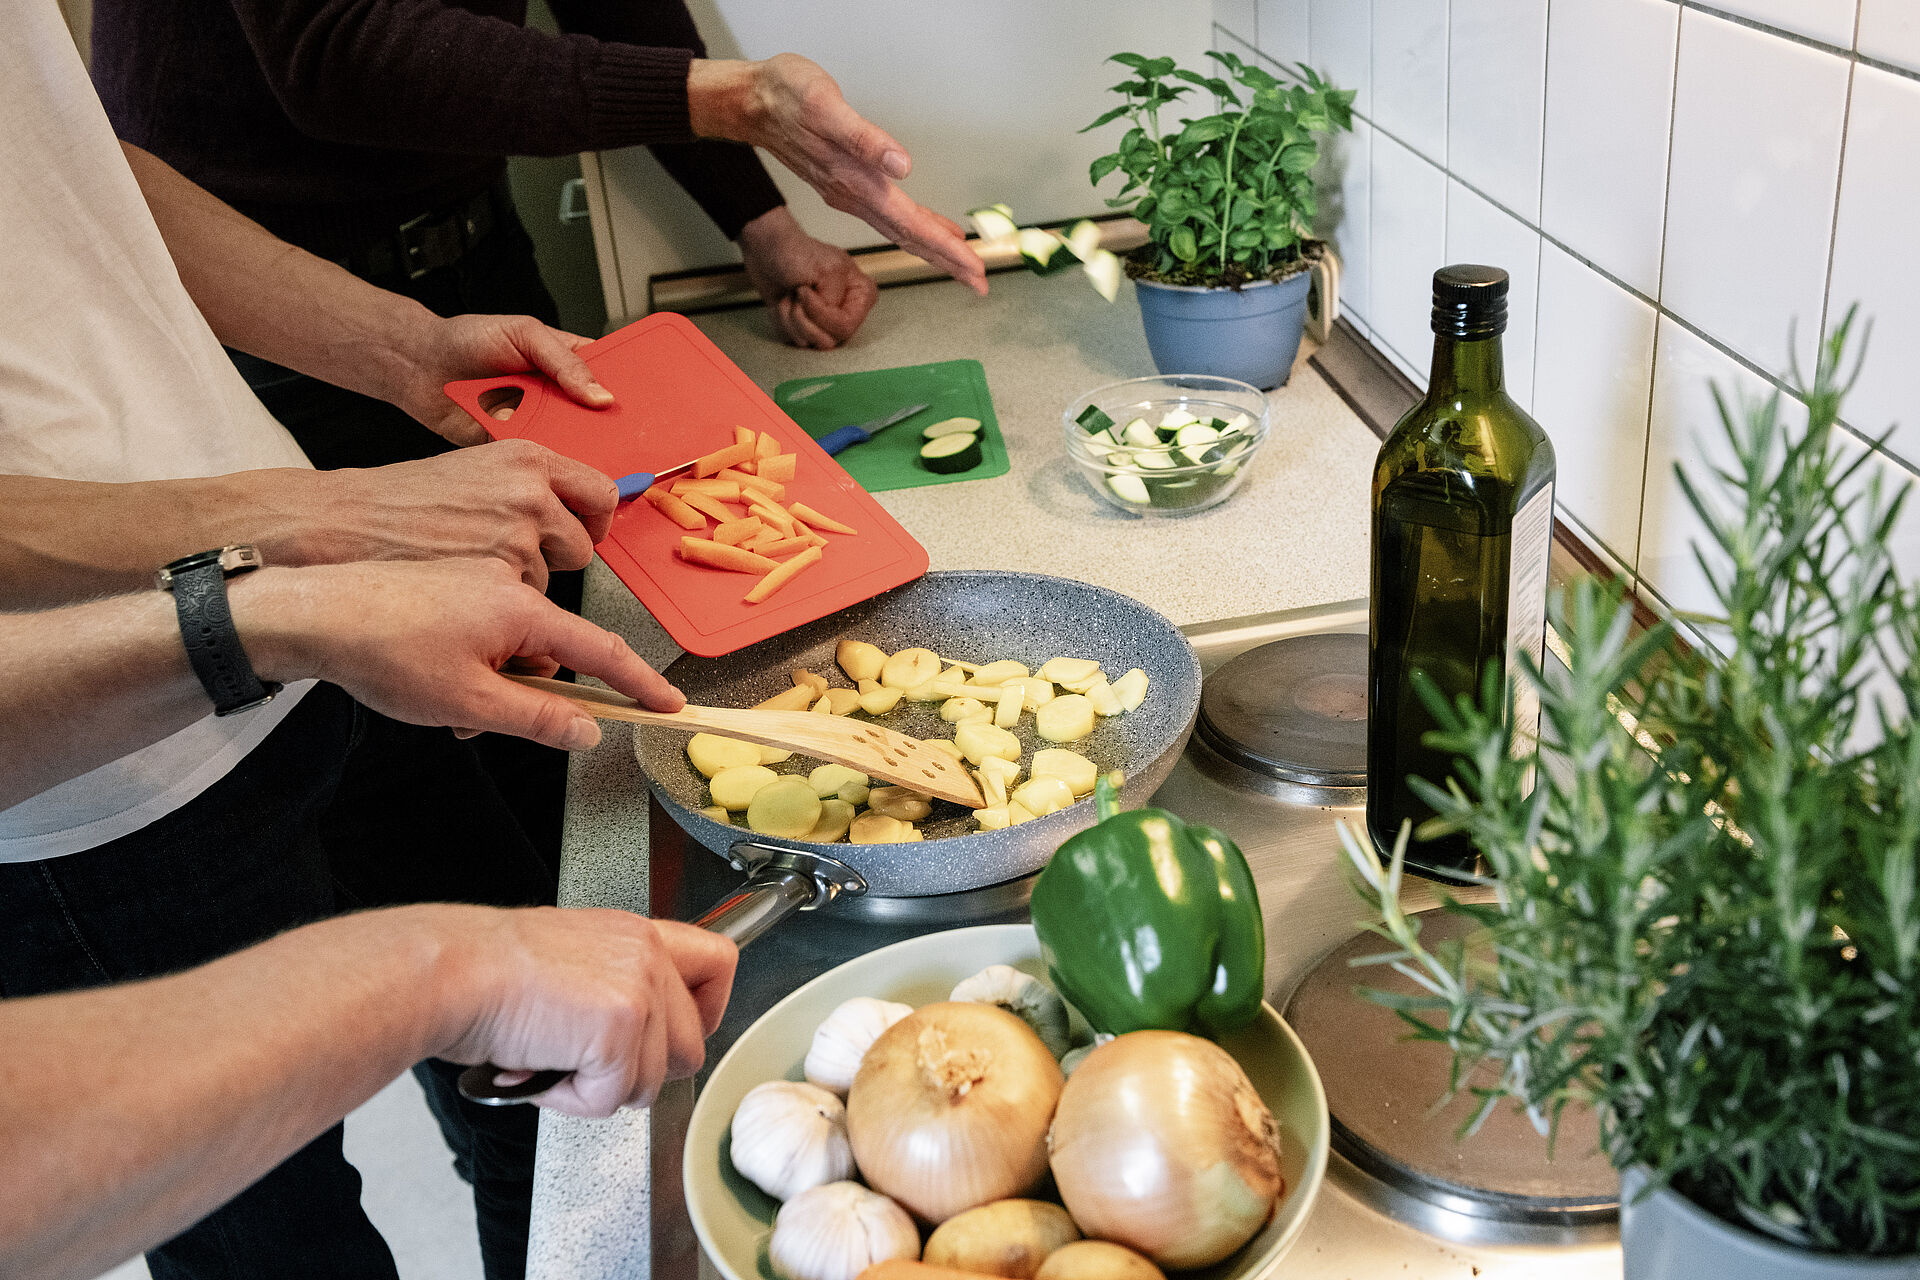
[(340, 808), (340, 428)]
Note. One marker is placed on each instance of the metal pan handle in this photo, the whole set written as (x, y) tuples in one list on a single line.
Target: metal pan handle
[(779, 882)]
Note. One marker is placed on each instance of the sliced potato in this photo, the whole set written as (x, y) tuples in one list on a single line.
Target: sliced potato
[(1042, 796), (734, 788), (786, 807), (843, 702), (945, 688), (878, 828), (835, 817), (860, 660), (809, 680), (1067, 718), (798, 698), (943, 744), (870, 686), (1000, 672), (1101, 695), (899, 802), (711, 753), (829, 778), (1006, 771), (960, 710), (910, 667), (991, 787), (878, 702), (1084, 683), (977, 741), (854, 793), (1067, 670), (1006, 712), (1039, 692), (992, 818), (1018, 813), (1131, 689), (717, 814), (774, 755), (1072, 768), (824, 706)]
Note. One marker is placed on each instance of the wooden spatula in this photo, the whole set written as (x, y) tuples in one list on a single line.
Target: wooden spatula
[(875, 751)]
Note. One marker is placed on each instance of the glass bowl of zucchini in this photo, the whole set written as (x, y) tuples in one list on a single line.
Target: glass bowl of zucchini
[(1167, 445)]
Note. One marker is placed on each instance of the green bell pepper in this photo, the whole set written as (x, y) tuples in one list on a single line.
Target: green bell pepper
[(1148, 922)]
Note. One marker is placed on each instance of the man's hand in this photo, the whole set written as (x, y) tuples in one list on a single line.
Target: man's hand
[(424, 643), (815, 292), (790, 107), (436, 351), (513, 500), (623, 1002)]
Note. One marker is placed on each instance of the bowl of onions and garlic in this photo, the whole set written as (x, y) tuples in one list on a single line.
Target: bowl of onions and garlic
[(908, 1105)]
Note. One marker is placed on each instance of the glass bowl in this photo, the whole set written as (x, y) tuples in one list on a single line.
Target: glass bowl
[(1167, 445)]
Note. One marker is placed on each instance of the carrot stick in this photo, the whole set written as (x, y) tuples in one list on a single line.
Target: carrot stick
[(773, 515), (817, 521), (674, 509), (725, 490), (720, 556), (760, 539), (780, 546), (743, 435), (783, 575), (779, 468), (772, 488), (720, 459), (710, 506), (735, 532), (767, 447)]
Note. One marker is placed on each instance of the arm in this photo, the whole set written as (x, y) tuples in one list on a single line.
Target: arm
[(324, 321), (420, 642), (127, 1114)]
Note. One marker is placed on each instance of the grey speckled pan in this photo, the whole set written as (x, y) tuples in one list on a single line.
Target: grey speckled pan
[(976, 616)]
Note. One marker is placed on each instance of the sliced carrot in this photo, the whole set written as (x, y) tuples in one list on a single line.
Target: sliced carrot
[(767, 447), (773, 515), (743, 435), (710, 506), (772, 488), (779, 468), (817, 521), (674, 509), (721, 556), (720, 459), (781, 547), (725, 490), (783, 575), (735, 532), (763, 537)]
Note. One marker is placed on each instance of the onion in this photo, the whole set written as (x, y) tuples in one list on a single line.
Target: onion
[(950, 1109), (1162, 1144)]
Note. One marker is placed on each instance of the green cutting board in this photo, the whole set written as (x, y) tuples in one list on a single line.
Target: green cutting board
[(891, 460)]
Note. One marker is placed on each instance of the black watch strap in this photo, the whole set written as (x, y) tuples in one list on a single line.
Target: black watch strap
[(213, 646)]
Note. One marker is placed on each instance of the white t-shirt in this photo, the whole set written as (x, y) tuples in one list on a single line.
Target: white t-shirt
[(107, 372)]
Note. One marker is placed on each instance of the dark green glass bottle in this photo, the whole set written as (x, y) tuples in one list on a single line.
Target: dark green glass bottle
[(1462, 524)]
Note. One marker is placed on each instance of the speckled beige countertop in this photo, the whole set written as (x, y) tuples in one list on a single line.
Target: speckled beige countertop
[(1295, 535)]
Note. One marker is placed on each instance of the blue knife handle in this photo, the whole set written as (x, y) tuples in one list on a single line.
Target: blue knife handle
[(844, 438), (634, 485)]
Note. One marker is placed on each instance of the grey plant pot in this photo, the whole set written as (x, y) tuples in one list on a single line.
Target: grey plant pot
[(1251, 333), (1668, 1237)]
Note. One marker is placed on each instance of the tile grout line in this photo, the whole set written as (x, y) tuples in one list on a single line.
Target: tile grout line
[(1833, 226), (1660, 289)]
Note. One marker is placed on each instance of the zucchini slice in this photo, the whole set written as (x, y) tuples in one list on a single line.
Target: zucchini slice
[(1174, 418), (952, 427), (1104, 270), (1042, 250), (951, 453), (1140, 435), (1101, 439), (994, 222), (1083, 238), (1093, 420), (1129, 489)]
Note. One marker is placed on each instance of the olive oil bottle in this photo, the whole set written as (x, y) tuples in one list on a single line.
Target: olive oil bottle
[(1462, 524)]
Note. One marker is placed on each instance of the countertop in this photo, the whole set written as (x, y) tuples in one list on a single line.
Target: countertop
[(1295, 536)]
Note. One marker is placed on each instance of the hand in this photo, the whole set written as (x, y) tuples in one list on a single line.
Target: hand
[(792, 108), (623, 1002), (514, 500), (439, 350), (814, 291), (424, 642)]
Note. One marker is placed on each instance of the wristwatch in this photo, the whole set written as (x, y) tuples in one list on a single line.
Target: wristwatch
[(199, 586)]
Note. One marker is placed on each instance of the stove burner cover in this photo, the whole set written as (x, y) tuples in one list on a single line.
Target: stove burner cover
[(1382, 1089), (1295, 710)]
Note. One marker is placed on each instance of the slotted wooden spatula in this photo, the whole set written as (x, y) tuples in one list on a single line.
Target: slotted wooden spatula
[(875, 751)]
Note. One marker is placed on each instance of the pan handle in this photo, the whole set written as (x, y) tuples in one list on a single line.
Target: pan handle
[(779, 882)]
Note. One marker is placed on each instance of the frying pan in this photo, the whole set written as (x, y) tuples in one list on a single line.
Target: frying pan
[(977, 615)]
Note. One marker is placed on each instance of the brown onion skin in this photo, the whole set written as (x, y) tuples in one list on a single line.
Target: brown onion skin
[(1005, 1115), (1125, 1113)]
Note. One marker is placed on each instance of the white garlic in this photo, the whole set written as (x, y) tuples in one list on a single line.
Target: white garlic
[(837, 1231), (790, 1137), (844, 1038), (1078, 1056), (1026, 998)]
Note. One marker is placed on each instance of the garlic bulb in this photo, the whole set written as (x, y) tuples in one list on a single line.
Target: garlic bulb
[(1078, 1056), (1025, 997), (837, 1231), (843, 1039), (790, 1137)]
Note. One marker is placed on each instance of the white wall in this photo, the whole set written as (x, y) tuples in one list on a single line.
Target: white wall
[(1669, 183), (987, 96)]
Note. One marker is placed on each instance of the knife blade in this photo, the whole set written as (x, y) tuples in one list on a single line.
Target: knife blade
[(846, 437)]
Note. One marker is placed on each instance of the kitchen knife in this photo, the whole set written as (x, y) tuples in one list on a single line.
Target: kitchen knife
[(846, 437), (632, 486)]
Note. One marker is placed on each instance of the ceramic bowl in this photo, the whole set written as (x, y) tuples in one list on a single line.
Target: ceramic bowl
[(734, 1219), (1167, 478)]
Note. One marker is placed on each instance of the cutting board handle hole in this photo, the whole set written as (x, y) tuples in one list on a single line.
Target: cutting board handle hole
[(502, 401)]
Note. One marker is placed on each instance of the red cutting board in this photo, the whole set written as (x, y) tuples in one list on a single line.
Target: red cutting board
[(678, 397)]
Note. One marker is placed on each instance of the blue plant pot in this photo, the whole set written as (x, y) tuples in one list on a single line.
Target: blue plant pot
[(1251, 333)]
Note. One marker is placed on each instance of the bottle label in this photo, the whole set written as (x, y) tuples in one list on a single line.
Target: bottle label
[(1527, 609)]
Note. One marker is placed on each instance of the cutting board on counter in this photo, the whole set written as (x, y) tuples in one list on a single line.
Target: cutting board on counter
[(891, 460), (677, 397)]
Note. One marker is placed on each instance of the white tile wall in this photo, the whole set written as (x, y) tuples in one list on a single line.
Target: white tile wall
[(1756, 163), (1239, 17), (1674, 181), (1497, 73)]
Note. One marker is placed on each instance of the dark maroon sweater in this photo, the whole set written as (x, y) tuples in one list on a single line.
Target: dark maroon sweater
[(333, 121)]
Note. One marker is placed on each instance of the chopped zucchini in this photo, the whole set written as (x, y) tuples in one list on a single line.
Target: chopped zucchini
[(1093, 420), (1102, 437), (950, 454), (1129, 489), (1104, 271), (952, 427), (1042, 250), (1140, 434), (995, 222), (1083, 240), (1174, 418)]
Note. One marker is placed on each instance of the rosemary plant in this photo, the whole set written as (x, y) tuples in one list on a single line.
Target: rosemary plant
[(1708, 924)]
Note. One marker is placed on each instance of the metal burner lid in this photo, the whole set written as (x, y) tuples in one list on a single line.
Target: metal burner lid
[(1295, 709), (1381, 1090)]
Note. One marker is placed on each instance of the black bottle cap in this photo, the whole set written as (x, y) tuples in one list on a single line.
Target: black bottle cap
[(1469, 301)]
